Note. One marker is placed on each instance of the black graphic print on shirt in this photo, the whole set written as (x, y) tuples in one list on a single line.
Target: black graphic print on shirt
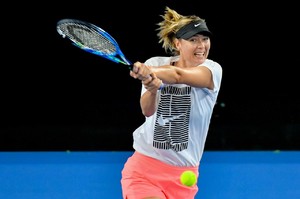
[(172, 121)]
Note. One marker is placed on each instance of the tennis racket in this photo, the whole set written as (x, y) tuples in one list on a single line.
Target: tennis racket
[(92, 39)]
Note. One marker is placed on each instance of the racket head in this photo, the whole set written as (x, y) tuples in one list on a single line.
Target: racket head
[(92, 39)]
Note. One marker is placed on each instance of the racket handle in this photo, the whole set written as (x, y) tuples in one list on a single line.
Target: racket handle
[(130, 67)]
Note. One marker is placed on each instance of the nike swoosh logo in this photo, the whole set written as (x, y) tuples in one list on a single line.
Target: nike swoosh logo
[(163, 121), (198, 24)]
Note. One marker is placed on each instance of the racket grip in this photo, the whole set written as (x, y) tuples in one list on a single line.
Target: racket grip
[(130, 67)]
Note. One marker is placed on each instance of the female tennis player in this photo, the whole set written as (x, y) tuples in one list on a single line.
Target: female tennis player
[(177, 116)]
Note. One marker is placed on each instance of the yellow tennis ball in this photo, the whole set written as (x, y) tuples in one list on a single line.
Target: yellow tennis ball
[(188, 178)]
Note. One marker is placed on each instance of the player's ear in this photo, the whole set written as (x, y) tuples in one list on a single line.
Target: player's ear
[(176, 43)]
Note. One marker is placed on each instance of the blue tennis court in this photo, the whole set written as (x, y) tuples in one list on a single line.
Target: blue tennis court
[(96, 175)]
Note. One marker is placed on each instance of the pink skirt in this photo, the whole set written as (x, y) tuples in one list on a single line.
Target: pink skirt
[(143, 176)]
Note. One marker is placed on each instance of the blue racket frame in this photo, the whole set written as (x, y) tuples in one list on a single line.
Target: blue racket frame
[(110, 56)]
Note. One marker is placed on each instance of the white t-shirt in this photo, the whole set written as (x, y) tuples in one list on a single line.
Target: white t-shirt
[(177, 131)]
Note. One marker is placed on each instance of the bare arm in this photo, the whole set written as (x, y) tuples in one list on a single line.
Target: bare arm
[(151, 77), (199, 76), (148, 100)]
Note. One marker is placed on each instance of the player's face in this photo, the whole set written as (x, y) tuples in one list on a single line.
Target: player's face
[(195, 49)]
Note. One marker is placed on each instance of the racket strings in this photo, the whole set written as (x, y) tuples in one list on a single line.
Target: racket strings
[(88, 38)]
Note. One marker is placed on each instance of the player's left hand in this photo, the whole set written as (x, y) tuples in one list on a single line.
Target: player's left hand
[(152, 83)]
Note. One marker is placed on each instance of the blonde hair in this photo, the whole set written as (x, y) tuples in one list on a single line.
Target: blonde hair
[(172, 22)]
